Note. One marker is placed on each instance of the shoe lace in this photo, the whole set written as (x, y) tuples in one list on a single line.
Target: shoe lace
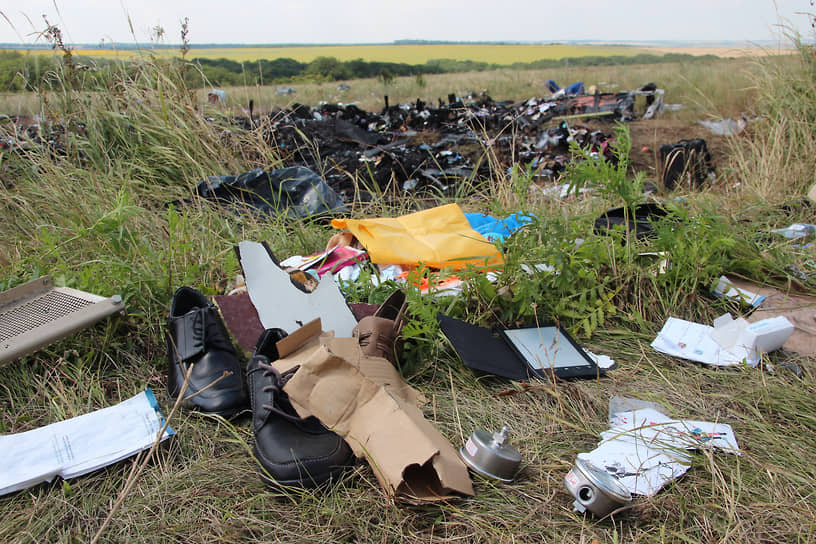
[(275, 389), (383, 341)]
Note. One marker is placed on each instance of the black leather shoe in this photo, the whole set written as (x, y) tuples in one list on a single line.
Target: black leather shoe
[(196, 336), (291, 451)]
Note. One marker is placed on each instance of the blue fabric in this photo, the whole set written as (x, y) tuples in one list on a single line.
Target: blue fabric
[(552, 86), (575, 88), (496, 230)]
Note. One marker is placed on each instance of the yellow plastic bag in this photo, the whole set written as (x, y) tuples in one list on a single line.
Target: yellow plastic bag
[(439, 238)]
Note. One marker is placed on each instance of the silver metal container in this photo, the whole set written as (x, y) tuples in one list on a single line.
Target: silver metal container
[(491, 455), (595, 489)]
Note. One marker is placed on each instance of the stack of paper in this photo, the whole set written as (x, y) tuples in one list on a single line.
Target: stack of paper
[(644, 449), (80, 445)]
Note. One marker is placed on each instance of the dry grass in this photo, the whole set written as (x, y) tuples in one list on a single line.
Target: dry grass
[(698, 86)]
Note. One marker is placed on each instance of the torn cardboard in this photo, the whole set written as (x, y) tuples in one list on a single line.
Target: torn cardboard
[(365, 400), (800, 310)]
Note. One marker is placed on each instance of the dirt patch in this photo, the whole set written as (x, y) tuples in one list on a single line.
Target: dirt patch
[(648, 136)]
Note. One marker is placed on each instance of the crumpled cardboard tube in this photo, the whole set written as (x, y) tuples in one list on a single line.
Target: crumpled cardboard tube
[(366, 401)]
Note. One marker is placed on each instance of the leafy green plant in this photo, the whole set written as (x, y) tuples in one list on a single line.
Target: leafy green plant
[(609, 177), (562, 280)]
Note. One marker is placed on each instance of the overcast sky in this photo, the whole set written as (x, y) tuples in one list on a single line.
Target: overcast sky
[(367, 21)]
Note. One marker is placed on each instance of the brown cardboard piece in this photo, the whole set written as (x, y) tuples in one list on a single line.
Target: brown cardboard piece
[(798, 309), (366, 401)]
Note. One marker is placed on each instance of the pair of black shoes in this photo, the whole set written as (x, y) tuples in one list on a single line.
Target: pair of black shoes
[(291, 451)]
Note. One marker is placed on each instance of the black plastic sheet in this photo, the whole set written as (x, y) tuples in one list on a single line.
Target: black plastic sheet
[(297, 192)]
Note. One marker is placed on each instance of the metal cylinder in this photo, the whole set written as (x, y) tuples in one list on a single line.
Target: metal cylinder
[(491, 455), (595, 489)]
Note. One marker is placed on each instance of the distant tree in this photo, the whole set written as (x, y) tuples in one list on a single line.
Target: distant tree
[(327, 67)]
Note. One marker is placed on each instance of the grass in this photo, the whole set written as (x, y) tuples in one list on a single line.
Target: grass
[(97, 218), (697, 86)]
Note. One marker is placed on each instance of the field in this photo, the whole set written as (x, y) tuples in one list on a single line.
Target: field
[(98, 190), (420, 54), (694, 85)]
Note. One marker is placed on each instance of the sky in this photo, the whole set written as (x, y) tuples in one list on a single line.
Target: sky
[(378, 21)]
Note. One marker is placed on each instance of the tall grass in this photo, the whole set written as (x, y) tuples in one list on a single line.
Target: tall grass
[(697, 85), (96, 213), (779, 161)]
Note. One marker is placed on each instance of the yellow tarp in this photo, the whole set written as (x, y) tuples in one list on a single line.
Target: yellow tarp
[(440, 237)]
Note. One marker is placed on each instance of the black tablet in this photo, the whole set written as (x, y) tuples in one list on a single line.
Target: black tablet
[(519, 354), (550, 350)]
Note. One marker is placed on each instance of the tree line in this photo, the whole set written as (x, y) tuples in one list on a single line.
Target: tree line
[(20, 71)]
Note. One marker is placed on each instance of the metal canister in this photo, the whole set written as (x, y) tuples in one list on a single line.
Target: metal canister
[(491, 455), (595, 490)]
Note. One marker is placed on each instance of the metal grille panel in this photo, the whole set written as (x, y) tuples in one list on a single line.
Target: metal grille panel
[(40, 311), (36, 314)]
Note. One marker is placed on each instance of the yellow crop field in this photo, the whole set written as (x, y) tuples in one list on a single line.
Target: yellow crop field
[(419, 54), (409, 54)]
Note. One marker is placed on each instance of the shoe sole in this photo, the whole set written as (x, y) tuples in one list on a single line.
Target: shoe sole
[(312, 480), (299, 483)]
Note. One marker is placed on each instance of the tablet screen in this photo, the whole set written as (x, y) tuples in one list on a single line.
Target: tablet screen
[(547, 348)]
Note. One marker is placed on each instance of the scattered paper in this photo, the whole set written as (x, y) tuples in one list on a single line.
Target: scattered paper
[(726, 288), (645, 448), (81, 444), (602, 361), (728, 342), (693, 341)]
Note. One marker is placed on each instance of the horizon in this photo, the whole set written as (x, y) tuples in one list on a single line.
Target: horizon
[(206, 45), (357, 22)]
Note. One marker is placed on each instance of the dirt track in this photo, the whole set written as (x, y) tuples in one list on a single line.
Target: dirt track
[(654, 133)]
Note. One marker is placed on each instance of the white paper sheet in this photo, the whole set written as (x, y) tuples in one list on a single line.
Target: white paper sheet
[(728, 342), (601, 361), (693, 341), (282, 305), (81, 444), (644, 449), (728, 290)]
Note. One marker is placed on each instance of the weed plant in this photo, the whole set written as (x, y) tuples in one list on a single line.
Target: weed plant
[(112, 209)]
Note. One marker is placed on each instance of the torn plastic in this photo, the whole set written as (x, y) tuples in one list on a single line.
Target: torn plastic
[(641, 224), (294, 191), (725, 127)]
